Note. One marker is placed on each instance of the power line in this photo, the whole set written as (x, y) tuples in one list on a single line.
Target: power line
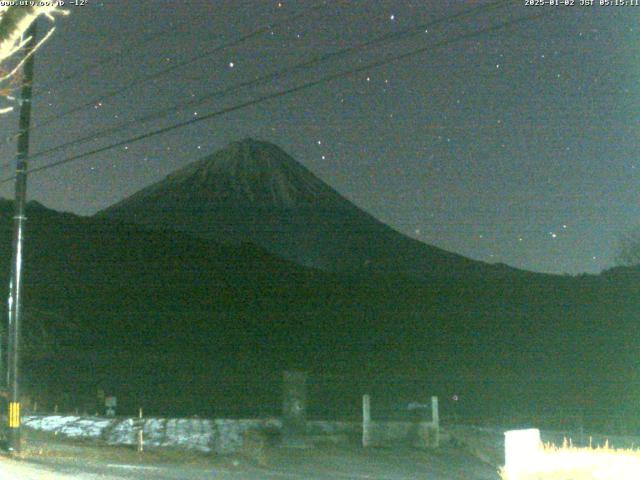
[(304, 86), (150, 77), (102, 62), (393, 36), (124, 52)]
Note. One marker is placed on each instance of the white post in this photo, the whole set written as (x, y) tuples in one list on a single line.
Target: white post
[(140, 431), (366, 421), (435, 419), (521, 449)]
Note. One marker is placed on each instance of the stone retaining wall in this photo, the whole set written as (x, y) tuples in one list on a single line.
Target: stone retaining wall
[(221, 436)]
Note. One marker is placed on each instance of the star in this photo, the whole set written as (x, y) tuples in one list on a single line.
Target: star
[(495, 123)]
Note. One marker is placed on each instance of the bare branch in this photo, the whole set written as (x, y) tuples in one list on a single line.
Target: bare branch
[(26, 57), (14, 22)]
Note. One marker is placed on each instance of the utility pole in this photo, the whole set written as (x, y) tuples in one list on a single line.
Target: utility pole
[(15, 287)]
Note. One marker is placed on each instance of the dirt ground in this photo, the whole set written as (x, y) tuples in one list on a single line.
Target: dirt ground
[(48, 457)]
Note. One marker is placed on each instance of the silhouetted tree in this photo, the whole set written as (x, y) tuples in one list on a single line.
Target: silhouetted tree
[(629, 249)]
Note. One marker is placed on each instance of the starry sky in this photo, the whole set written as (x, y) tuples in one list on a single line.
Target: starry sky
[(518, 146)]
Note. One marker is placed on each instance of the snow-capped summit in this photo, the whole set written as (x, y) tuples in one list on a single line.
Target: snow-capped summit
[(253, 191)]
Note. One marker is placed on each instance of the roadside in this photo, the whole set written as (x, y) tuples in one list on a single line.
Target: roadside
[(48, 456)]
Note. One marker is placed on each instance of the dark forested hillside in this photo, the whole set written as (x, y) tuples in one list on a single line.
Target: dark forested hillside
[(114, 305)]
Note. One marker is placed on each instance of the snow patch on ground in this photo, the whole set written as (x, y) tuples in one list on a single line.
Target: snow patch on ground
[(69, 425), (220, 436)]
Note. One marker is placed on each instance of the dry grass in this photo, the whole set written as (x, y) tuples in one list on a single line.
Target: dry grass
[(574, 463), (38, 445)]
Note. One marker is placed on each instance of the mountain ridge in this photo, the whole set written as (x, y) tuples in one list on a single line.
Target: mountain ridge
[(130, 303), (255, 192)]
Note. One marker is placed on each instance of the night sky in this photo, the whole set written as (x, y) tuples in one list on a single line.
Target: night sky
[(519, 146)]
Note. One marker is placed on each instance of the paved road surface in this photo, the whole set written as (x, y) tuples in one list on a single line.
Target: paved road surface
[(326, 463)]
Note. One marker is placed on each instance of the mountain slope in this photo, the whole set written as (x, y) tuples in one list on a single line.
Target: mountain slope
[(187, 326), (254, 192)]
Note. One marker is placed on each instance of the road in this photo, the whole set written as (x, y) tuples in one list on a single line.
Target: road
[(73, 462)]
